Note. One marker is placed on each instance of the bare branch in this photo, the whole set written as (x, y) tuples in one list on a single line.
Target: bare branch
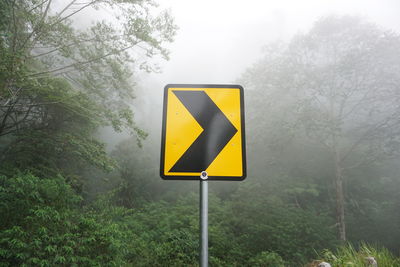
[(31, 105), (81, 63), (39, 25), (14, 40), (73, 13), (38, 5), (69, 45), (367, 133), (66, 8), (6, 115)]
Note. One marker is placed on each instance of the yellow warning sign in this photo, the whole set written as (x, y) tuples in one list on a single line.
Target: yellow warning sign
[(203, 130)]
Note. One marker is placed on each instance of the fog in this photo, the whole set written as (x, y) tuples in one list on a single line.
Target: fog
[(81, 103), (218, 40)]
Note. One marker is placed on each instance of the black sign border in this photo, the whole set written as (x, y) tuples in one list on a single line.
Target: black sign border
[(164, 125)]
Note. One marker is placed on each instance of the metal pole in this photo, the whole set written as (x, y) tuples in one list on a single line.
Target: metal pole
[(203, 223)]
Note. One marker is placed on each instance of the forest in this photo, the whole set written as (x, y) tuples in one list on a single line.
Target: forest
[(323, 145)]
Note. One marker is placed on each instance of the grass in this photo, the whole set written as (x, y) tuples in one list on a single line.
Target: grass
[(348, 256)]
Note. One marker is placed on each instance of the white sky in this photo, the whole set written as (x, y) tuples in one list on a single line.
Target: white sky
[(218, 40)]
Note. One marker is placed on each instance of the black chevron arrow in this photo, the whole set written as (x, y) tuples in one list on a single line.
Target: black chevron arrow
[(217, 131)]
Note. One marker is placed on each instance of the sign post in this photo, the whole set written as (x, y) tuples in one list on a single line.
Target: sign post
[(203, 219), (203, 138)]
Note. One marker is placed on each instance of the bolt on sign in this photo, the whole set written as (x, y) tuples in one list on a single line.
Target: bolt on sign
[(203, 130)]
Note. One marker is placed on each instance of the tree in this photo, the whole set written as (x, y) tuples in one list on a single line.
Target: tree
[(136, 172), (45, 224), (337, 86), (40, 39), (61, 77)]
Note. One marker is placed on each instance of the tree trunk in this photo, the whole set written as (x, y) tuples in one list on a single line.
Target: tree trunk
[(339, 199)]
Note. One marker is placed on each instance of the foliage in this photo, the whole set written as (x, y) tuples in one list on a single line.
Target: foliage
[(43, 226), (60, 83), (349, 256), (334, 90), (43, 38), (267, 223), (61, 142), (46, 224), (267, 259), (135, 166), (61, 79)]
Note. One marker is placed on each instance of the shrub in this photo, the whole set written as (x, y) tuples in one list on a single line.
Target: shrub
[(267, 259), (347, 255)]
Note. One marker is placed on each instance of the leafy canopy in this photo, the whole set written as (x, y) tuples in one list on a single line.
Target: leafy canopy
[(62, 76)]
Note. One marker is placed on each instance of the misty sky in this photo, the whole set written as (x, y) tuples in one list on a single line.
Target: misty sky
[(218, 40)]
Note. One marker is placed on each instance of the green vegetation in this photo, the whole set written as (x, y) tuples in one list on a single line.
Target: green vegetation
[(42, 225), (349, 256), (322, 170), (45, 223)]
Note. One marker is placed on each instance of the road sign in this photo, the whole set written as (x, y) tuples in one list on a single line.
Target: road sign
[(203, 130)]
